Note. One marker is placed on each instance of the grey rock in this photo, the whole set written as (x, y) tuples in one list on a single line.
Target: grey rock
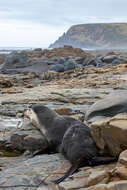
[(49, 61), (61, 60), (108, 107), (11, 109), (79, 60), (31, 171), (19, 63), (87, 60), (21, 137), (99, 65), (15, 60), (117, 62), (92, 62), (28, 138), (69, 65), (37, 66), (57, 68), (109, 58)]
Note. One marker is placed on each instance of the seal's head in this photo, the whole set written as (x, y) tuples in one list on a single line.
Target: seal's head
[(31, 116), (40, 114)]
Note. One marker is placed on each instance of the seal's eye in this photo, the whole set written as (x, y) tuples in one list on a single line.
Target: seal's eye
[(30, 111)]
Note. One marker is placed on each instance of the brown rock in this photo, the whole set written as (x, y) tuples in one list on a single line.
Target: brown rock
[(75, 184), (64, 111), (120, 185), (96, 177), (111, 135), (29, 85), (5, 83), (1, 60), (49, 187), (64, 52), (96, 187), (121, 172), (123, 158)]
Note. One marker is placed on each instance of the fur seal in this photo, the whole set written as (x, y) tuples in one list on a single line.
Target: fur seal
[(73, 137), (49, 123)]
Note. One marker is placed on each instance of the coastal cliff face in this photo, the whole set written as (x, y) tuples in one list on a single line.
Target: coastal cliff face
[(108, 35)]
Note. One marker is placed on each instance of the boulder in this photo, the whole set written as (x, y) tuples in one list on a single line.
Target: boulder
[(99, 63), (61, 60), (15, 60), (111, 135), (19, 63), (28, 139), (69, 65), (123, 158), (57, 68), (5, 83), (117, 62), (37, 52), (89, 59), (108, 58), (37, 66), (110, 106), (20, 136), (48, 61)]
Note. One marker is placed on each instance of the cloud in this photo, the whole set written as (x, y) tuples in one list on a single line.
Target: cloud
[(41, 22), (56, 12), (21, 34)]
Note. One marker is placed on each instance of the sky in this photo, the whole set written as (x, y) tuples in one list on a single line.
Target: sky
[(38, 23)]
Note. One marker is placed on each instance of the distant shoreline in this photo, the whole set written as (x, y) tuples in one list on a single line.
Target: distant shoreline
[(7, 50)]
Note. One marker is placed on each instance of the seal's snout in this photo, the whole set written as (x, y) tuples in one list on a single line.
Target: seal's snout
[(27, 113)]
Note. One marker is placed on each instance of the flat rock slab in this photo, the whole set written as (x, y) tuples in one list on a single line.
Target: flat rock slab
[(30, 171), (11, 104)]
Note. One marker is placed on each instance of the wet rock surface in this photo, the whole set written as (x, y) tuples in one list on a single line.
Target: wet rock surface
[(93, 88)]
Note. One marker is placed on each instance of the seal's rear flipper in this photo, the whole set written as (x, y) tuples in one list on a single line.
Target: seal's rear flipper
[(102, 160), (71, 170)]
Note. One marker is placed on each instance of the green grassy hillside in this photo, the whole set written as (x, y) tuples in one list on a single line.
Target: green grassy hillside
[(110, 35)]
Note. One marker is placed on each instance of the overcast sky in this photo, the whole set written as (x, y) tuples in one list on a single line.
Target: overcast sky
[(38, 23)]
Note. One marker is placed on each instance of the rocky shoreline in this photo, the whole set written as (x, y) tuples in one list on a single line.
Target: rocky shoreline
[(73, 82)]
